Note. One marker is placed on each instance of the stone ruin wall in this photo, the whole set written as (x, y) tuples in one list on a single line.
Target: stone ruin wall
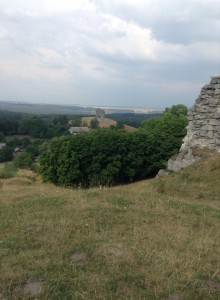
[(203, 131), (100, 114)]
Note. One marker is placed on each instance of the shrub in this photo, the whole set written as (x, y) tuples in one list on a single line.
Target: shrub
[(23, 160), (8, 171)]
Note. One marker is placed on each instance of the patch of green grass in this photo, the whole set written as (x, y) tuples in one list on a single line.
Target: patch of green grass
[(8, 171), (121, 202)]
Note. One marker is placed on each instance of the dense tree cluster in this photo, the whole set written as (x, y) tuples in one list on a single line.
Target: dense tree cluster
[(132, 119), (46, 126), (102, 157), (28, 132), (99, 157), (169, 129), (109, 157)]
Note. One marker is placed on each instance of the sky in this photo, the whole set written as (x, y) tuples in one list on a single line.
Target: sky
[(142, 53)]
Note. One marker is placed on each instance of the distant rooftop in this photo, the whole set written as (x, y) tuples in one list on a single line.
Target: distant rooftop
[(2, 145), (78, 129)]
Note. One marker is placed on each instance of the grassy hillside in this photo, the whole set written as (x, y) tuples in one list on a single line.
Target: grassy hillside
[(106, 123), (155, 239)]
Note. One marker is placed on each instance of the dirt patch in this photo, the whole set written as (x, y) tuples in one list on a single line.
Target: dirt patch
[(78, 258), (174, 297), (212, 284), (124, 288), (114, 252), (32, 288)]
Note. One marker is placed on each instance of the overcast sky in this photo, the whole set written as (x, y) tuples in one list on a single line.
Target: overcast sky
[(146, 53)]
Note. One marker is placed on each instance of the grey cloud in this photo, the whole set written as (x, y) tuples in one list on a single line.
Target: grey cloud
[(85, 56)]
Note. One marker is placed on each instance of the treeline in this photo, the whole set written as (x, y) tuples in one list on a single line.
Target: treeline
[(132, 119), (45, 126), (106, 157), (28, 132)]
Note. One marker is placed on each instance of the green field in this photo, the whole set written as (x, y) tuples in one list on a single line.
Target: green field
[(155, 239)]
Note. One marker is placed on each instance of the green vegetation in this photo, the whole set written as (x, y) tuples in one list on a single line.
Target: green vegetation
[(94, 124), (7, 171), (169, 129), (103, 157), (110, 157), (23, 160), (128, 242), (6, 154), (132, 119), (42, 126)]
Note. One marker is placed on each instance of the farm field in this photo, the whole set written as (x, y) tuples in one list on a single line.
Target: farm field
[(106, 123)]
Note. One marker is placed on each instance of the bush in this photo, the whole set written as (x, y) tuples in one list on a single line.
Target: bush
[(8, 171), (6, 154), (23, 160), (109, 157), (102, 157)]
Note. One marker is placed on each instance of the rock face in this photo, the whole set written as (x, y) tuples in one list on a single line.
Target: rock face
[(203, 131)]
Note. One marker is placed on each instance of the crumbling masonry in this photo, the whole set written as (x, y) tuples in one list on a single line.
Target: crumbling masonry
[(203, 131)]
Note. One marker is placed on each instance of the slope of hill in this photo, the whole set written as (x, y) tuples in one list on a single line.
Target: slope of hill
[(155, 239), (106, 123)]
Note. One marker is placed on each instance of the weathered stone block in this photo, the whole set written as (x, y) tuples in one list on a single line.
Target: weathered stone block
[(208, 87), (210, 134), (214, 81), (214, 122), (203, 132)]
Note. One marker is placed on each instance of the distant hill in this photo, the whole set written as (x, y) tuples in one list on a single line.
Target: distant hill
[(45, 108), (34, 108)]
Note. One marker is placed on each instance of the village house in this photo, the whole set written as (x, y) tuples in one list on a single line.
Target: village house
[(75, 130), (2, 145)]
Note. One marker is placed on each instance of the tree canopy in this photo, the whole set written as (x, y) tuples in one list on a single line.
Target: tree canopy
[(109, 157)]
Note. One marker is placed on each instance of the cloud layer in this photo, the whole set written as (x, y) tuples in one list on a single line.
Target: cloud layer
[(115, 52)]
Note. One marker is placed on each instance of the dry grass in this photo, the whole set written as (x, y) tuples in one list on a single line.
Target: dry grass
[(106, 123), (140, 241)]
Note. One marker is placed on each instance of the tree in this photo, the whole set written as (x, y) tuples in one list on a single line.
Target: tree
[(119, 125), (76, 121), (23, 160), (6, 154), (94, 124), (33, 126), (2, 137), (102, 157), (177, 110), (169, 129), (60, 120), (109, 157)]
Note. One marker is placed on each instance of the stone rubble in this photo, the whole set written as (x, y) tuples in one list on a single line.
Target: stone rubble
[(203, 131)]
